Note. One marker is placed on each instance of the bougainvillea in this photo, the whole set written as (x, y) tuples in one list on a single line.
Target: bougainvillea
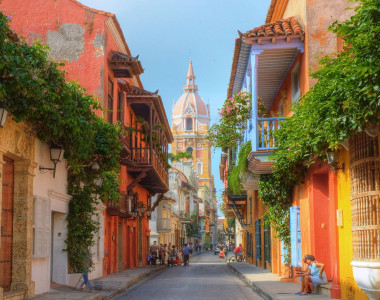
[(234, 114)]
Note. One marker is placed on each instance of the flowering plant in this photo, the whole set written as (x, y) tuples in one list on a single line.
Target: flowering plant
[(261, 109), (234, 115)]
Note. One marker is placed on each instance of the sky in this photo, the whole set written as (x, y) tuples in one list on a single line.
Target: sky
[(166, 33)]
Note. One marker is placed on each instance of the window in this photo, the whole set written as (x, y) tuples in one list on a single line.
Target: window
[(296, 91), (250, 211), (41, 227), (189, 150), (199, 168), (258, 239), (249, 245), (267, 242), (110, 101), (295, 236), (189, 124), (281, 108), (120, 107)]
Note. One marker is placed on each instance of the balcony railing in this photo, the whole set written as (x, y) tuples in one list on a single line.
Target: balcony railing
[(264, 133), (121, 209), (149, 157), (163, 224), (184, 217)]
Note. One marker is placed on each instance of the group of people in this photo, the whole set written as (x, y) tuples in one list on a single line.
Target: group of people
[(175, 255)]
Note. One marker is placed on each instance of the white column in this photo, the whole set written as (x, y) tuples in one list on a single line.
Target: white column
[(254, 132)]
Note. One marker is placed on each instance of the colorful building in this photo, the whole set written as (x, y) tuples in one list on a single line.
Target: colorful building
[(190, 124), (273, 62), (93, 47)]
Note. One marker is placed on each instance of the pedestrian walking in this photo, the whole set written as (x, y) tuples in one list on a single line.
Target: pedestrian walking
[(186, 255), (154, 252), (162, 253)]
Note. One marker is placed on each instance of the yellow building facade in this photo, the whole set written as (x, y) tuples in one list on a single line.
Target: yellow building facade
[(191, 121)]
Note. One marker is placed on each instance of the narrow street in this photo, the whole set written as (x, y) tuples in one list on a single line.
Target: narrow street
[(207, 277)]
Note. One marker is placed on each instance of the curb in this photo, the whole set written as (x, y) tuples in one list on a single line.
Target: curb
[(133, 282), (254, 287)]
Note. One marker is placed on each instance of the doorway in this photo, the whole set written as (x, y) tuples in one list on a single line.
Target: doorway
[(7, 225), (322, 220)]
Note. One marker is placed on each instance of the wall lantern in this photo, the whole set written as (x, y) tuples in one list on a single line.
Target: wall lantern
[(55, 156), (142, 208), (3, 114), (333, 159), (135, 213)]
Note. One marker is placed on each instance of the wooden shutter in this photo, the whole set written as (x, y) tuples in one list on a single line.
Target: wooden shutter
[(258, 238), (267, 242), (295, 236), (42, 212)]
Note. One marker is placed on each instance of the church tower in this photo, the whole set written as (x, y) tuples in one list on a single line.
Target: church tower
[(190, 122)]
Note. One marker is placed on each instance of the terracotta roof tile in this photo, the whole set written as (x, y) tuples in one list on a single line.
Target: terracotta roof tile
[(135, 91), (289, 26)]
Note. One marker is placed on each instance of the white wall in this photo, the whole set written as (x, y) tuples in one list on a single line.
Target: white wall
[(51, 263)]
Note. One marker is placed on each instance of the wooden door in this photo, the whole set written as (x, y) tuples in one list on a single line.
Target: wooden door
[(6, 225)]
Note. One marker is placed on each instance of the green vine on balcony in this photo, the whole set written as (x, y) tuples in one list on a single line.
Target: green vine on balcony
[(235, 113), (344, 101), (35, 91), (236, 173)]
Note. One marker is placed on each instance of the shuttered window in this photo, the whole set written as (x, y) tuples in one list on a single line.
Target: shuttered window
[(249, 245), (267, 242), (295, 236), (120, 107), (258, 239), (41, 227)]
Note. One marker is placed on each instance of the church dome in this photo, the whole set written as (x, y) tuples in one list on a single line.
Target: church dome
[(190, 103)]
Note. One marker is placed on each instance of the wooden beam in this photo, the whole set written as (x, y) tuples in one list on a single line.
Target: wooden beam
[(136, 180)]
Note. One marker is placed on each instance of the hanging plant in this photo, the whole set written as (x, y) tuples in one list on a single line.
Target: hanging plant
[(35, 91), (235, 113)]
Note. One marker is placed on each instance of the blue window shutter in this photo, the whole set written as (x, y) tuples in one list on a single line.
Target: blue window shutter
[(295, 236), (284, 252)]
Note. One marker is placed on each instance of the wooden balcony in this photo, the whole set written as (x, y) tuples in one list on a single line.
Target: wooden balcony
[(184, 217), (122, 208), (263, 135), (148, 146), (145, 164)]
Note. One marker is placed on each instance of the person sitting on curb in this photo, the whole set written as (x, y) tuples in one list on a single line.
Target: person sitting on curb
[(315, 274)]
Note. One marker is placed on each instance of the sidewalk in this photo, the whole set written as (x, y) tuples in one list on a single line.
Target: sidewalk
[(268, 285), (109, 286)]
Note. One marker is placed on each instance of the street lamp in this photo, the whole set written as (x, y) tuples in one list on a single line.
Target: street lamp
[(333, 159), (3, 114), (55, 156)]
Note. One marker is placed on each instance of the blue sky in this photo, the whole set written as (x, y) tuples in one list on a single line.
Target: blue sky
[(164, 33)]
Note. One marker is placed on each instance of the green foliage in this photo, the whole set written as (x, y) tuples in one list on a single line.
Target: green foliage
[(179, 156), (35, 91), (343, 101), (231, 223), (234, 115), (193, 228), (234, 177)]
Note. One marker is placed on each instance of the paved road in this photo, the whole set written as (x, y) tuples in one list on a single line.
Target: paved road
[(207, 277)]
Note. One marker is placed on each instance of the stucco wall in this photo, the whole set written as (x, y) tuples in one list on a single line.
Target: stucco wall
[(55, 192), (349, 288), (296, 8), (74, 34)]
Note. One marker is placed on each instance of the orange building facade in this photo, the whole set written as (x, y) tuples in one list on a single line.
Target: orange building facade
[(93, 47), (273, 62)]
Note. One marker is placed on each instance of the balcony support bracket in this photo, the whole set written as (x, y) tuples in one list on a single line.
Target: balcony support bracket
[(136, 180)]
